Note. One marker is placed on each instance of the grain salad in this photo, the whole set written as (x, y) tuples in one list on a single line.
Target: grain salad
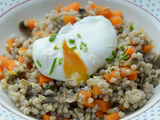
[(124, 84)]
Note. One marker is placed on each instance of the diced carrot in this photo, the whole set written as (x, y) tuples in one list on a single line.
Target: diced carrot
[(1, 73), (141, 29), (116, 20), (31, 23), (69, 19), (124, 74), (112, 74), (93, 6), (130, 51), (75, 6), (43, 79), (132, 77), (59, 8), (23, 49), (100, 8), (131, 44), (37, 33), (6, 63), (113, 116), (117, 12), (107, 13), (47, 35), (104, 105), (10, 43), (100, 114), (87, 96), (12, 66), (147, 48), (2, 58), (46, 117), (96, 90), (23, 76), (66, 119), (121, 107), (21, 59)]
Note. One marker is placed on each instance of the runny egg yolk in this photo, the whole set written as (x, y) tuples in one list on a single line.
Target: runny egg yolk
[(74, 67)]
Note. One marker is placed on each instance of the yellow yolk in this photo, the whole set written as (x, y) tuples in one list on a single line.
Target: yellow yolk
[(74, 67)]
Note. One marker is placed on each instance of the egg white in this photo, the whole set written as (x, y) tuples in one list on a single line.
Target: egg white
[(96, 31)]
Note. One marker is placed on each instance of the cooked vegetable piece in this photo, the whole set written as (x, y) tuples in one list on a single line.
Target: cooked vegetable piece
[(147, 48), (6, 63), (131, 44), (74, 47), (100, 114), (104, 105), (71, 41), (31, 23), (60, 61), (117, 13), (114, 53), (122, 47), (43, 79), (59, 8), (107, 13), (46, 117), (124, 57), (1, 72), (78, 35), (132, 77), (130, 51), (10, 43), (38, 62), (75, 6), (21, 59), (87, 96), (113, 116), (121, 107), (2, 58), (94, 6), (12, 66), (37, 33), (131, 72), (85, 50), (69, 19), (115, 74), (116, 20), (96, 90), (49, 87), (23, 49)]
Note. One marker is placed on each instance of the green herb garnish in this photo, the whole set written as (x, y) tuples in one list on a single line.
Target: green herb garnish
[(74, 47), (40, 65), (92, 76), (60, 61), (122, 47), (55, 47), (49, 87), (114, 53), (71, 41), (84, 44), (125, 56), (53, 37), (79, 35), (85, 50), (53, 65), (131, 27), (81, 47), (110, 58)]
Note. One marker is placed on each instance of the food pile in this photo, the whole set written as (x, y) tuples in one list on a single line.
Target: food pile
[(125, 83)]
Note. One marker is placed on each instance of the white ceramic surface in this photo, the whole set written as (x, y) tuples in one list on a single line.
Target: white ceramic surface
[(37, 9)]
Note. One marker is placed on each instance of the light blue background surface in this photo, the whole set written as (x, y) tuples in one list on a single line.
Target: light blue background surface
[(153, 6)]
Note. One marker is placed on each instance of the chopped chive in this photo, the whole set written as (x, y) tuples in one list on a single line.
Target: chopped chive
[(49, 87), (131, 27), (40, 65), (84, 44), (79, 35), (125, 56), (55, 47), (110, 58), (122, 47), (60, 61), (81, 47), (53, 37), (71, 41), (114, 53), (85, 49), (53, 65), (74, 47)]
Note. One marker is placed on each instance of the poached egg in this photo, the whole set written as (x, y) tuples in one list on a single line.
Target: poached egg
[(93, 40)]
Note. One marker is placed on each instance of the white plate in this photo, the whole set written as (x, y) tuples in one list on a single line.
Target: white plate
[(37, 9)]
